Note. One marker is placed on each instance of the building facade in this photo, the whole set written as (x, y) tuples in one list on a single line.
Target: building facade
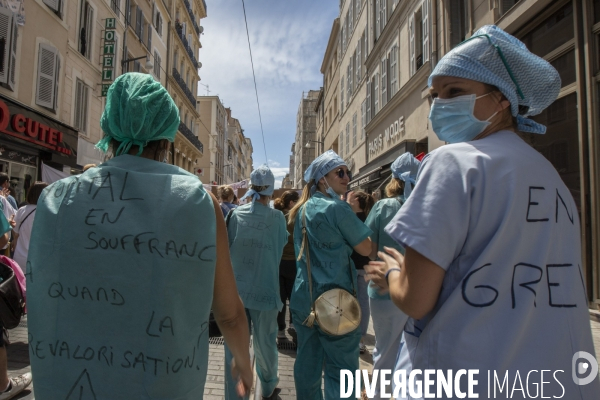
[(184, 45), (353, 49), (212, 131), (35, 123), (331, 81), (307, 144)]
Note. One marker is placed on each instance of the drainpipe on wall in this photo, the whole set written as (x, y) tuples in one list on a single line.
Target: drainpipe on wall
[(125, 34)]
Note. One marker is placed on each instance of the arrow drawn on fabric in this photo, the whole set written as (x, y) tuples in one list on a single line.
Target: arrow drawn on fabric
[(82, 389)]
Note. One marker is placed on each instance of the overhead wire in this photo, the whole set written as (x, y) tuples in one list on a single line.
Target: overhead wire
[(255, 87)]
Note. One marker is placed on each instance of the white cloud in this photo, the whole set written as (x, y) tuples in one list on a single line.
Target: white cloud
[(273, 163)]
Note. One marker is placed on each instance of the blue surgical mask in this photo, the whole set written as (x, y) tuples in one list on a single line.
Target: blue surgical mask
[(453, 121), (331, 192)]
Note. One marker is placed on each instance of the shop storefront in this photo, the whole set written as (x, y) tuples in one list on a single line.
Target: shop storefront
[(28, 138)]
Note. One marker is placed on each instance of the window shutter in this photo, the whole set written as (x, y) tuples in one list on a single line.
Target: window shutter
[(358, 61), (54, 5), (411, 29), (47, 68), (363, 119), (383, 82), (349, 80), (154, 15), (347, 138), (56, 75), (342, 95), (13, 54), (383, 14), (89, 26), (6, 17), (377, 18), (341, 143), (160, 24), (138, 21), (368, 106), (149, 36), (376, 95), (426, 6), (81, 106)]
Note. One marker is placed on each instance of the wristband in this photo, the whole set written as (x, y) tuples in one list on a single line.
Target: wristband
[(388, 272)]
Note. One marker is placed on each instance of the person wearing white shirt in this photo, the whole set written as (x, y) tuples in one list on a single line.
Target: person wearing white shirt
[(24, 224)]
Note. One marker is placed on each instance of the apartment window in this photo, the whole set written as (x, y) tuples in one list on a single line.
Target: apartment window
[(377, 16), (347, 139), (354, 122), (8, 47), (47, 77), (139, 23), (350, 20), (86, 25), (56, 6), (342, 143), (506, 5), (350, 80), (358, 5), (458, 21), (363, 119), (157, 62), (384, 82), (115, 5), (383, 14), (393, 71), (176, 59), (157, 20), (82, 96)]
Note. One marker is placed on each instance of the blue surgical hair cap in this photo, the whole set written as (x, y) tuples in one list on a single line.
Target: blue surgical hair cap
[(322, 165), (406, 168), (496, 58), (261, 176), (138, 110)]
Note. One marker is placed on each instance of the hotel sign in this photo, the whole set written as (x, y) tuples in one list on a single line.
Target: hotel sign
[(108, 53)]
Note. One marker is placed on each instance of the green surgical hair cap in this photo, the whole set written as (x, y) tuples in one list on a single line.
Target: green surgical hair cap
[(138, 110)]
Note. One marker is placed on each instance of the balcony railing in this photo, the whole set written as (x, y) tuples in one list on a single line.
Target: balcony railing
[(189, 135), (188, 7), (188, 93), (188, 49)]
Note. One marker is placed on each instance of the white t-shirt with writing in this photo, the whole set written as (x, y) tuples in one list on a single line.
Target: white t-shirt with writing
[(496, 216), (24, 223)]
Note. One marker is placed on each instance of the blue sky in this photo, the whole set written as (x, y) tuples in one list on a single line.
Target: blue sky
[(288, 39)]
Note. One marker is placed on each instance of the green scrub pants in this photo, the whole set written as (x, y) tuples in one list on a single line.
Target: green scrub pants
[(264, 339), (318, 350)]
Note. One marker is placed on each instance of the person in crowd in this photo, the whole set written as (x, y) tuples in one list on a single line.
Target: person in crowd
[(491, 278), (361, 203), (24, 223), (235, 201), (333, 232), (388, 321), (287, 265), (131, 279), (257, 235), (226, 198), (5, 185), (9, 387)]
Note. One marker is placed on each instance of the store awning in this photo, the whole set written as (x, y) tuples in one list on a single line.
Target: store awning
[(364, 177)]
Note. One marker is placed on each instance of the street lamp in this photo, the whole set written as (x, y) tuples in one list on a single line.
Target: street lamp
[(307, 145), (149, 64)]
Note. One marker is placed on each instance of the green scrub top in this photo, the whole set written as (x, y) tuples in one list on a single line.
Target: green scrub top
[(333, 231), (256, 241), (120, 282), (4, 224), (381, 214)]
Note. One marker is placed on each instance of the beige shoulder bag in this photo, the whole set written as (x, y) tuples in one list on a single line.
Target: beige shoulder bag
[(337, 311)]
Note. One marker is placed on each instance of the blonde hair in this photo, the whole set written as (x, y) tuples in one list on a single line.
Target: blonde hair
[(303, 199), (395, 188), (225, 192)]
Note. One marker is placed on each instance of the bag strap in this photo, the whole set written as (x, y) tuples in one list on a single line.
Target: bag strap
[(27, 216), (310, 320)]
